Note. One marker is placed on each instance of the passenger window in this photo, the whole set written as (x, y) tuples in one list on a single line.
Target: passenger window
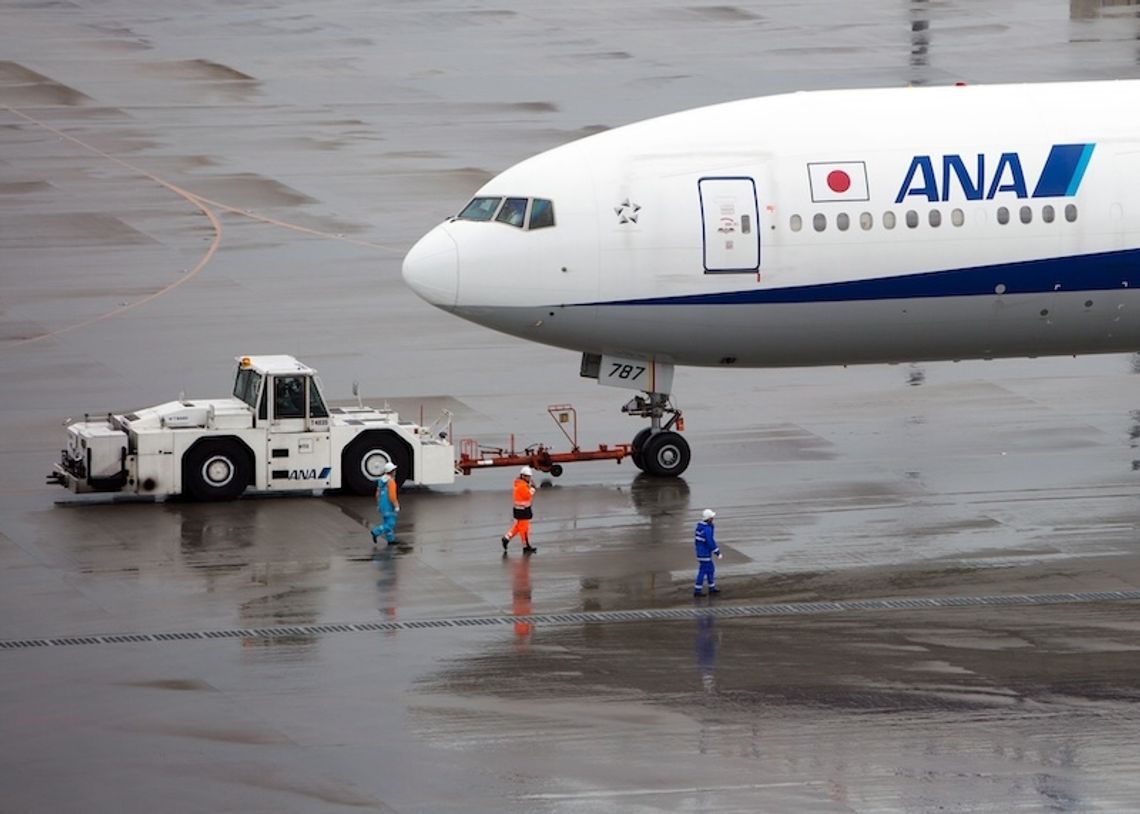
[(935, 218), (866, 221), (1003, 215), (843, 221), (796, 223), (1047, 213), (1070, 213), (819, 221), (911, 219), (888, 220), (480, 209), (541, 213), (1026, 214), (957, 217), (513, 212)]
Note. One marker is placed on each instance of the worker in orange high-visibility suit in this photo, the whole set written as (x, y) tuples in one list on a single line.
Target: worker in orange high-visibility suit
[(523, 495)]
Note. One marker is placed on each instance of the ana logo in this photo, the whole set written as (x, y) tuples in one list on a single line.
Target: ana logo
[(1060, 177), (310, 474)]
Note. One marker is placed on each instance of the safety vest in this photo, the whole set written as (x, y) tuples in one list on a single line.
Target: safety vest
[(524, 492), (386, 486)]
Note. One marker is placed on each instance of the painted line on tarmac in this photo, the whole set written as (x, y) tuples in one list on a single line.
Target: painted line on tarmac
[(592, 617)]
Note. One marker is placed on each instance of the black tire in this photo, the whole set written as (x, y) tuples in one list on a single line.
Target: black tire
[(362, 462), (216, 470), (637, 446), (665, 455), (556, 470)]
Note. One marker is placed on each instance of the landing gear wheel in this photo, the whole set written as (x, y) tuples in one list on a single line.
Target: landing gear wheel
[(215, 470), (637, 446), (362, 463), (556, 470), (665, 454)]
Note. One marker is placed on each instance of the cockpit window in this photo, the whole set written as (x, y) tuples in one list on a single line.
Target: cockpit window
[(480, 209), (541, 213), (513, 212)]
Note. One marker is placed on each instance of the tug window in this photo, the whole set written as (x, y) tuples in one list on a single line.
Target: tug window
[(541, 214), (288, 397), (480, 209), (513, 212), (247, 386)]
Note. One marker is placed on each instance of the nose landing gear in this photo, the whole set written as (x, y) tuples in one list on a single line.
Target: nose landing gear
[(658, 450)]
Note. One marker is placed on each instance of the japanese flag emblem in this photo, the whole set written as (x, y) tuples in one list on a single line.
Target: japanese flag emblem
[(838, 181)]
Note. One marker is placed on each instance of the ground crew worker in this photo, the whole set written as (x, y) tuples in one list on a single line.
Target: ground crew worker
[(387, 504), (523, 495), (705, 543)]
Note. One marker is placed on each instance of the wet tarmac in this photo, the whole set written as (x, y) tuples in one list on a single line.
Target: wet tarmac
[(182, 185)]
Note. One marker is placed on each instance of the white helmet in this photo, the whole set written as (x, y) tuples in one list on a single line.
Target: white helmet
[(525, 472), (389, 468), (708, 514)]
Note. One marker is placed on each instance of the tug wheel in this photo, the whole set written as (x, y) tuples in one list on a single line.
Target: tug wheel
[(215, 470)]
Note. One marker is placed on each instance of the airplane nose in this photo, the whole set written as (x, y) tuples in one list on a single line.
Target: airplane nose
[(431, 268)]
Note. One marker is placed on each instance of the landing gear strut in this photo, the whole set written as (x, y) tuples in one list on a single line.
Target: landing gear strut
[(658, 450)]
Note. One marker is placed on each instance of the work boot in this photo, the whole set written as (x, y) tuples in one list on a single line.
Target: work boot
[(506, 542), (529, 549), (374, 536), (697, 592), (713, 589)]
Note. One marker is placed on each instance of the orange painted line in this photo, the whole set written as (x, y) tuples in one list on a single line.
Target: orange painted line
[(199, 202)]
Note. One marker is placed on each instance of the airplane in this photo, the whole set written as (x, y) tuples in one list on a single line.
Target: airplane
[(811, 228)]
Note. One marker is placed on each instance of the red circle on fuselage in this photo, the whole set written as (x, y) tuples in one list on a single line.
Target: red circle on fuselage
[(838, 181)]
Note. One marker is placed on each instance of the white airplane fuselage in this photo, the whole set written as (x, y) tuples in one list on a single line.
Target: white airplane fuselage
[(833, 227)]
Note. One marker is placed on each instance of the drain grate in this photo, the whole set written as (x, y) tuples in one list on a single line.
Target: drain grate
[(591, 617)]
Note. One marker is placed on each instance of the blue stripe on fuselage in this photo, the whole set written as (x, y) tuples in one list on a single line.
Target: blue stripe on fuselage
[(1087, 272)]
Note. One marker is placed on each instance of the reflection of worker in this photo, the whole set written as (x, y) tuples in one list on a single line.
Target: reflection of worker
[(705, 542), (523, 495), (521, 601), (388, 505), (705, 646)]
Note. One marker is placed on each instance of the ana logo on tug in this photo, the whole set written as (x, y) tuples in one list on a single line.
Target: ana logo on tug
[(1060, 177), (309, 474)]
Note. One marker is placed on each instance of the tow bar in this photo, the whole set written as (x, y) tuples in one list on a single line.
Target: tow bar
[(473, 455)]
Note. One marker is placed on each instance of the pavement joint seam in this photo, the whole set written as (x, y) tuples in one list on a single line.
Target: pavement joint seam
[(824, 608)]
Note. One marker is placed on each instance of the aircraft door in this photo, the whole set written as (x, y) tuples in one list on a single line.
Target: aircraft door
[(729, 221)]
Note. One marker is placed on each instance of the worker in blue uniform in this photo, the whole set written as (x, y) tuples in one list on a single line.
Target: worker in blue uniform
[(388, 504), (705, 542)]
